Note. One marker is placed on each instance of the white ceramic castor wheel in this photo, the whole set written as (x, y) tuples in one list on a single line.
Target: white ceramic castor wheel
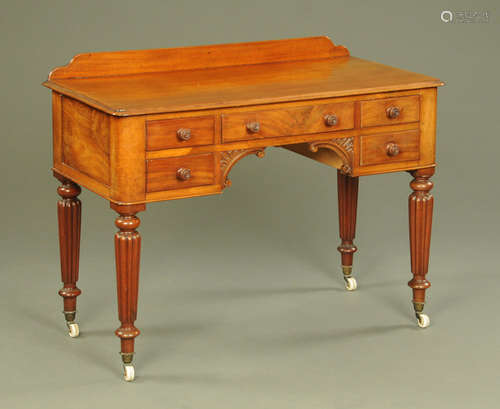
[(128, 373), (74, 330), (423, 320), (350, 283)]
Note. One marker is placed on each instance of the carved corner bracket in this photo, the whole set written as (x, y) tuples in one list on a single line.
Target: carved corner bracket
[(342, 147), (229, 158)]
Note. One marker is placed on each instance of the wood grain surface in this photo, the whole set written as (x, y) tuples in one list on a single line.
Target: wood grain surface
[(298, 120), (375, 112), (129, 62), (69, 216), (85, 140), (420, 207), (217, 85), (374, 148), (162, 173), (162, 134), (118, 117)]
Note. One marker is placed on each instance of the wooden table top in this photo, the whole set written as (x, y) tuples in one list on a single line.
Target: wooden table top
[(172, 82)]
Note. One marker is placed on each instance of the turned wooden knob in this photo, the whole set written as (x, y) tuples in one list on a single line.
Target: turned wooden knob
[(184, 134), (393, 112), (331, 120), (392, 149), (183, 174), (253, 127)]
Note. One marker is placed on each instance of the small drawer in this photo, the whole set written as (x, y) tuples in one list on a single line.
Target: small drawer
[(388, 148), (180, 172), (179, 132), (390, 111), (301, 120)]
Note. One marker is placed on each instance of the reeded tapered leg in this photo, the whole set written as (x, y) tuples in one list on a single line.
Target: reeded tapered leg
[(69, 211), (420, 204), (127, 253), (347, 188)]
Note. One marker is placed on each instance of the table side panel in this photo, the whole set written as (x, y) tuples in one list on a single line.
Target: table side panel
[(428, 111), (64, 169), (56, 128), (85, 140)]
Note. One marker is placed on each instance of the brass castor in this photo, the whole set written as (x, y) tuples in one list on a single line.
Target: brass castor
[(128, 367), (350, 282), (74, 329), (423, 320), (128, 373)]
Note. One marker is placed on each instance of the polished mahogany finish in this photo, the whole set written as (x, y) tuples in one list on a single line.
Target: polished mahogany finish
[(226, 76), (180, 172), (390, 148), (390, 111), (290, 120), (420, 204), (143, 126), (180, 132), (127, 254), (347, 190), (69, 214)]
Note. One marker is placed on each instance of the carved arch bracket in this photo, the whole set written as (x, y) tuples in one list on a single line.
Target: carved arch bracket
[(229, 158), (343, 147)]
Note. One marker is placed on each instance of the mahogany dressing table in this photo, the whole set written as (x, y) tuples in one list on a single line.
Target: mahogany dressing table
[(143, 126)]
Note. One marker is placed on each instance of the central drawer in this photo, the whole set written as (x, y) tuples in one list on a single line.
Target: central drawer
[(299, 120)]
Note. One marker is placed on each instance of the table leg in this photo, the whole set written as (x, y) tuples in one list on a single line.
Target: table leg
[(347, 188), (127, 253), (420, 204), (69, 211)]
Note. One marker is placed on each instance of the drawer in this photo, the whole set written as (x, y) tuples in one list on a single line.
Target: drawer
[(180, 172), (391, 147), (390, 111), (288, 121), (180, 132)]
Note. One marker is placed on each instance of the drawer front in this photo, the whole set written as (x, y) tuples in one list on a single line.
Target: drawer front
[(180, 132), (285, 122), (390, 111), (180, 172), (387, 148)]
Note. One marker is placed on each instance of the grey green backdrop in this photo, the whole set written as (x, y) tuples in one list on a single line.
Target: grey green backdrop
[(241, 300)]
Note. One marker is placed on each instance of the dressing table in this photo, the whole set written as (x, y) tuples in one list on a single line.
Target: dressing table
[(137, 127)]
